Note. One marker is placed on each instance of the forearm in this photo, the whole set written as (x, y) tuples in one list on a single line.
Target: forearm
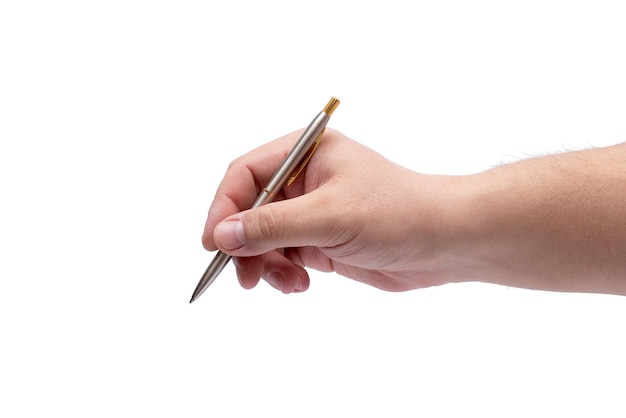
[(556, 223)]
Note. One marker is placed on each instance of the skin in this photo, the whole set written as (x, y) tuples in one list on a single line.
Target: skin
[(552, 223)]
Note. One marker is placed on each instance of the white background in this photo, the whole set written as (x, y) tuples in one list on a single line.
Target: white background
[(117, 122)]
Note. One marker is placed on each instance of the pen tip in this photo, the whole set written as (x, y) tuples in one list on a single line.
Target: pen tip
[(192, 299)]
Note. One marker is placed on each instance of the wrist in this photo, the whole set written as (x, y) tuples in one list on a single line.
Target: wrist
[(459, 229)]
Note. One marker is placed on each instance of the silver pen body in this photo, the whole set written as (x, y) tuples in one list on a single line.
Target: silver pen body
[(289, 168)]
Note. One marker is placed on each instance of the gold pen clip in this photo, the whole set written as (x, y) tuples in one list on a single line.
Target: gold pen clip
[(328, 109), (306, 159)]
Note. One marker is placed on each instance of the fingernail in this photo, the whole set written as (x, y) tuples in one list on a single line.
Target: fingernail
[(230, 234)]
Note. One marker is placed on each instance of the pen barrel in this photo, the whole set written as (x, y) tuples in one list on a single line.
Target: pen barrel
[(215, 268), (286, 173), (293, 159)]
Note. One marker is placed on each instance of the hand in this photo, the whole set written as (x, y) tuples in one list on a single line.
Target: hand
[(351, 211), (553, 223)]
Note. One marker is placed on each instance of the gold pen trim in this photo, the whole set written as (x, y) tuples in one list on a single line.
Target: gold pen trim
[(331, 106), (305, 159), (272, 195)]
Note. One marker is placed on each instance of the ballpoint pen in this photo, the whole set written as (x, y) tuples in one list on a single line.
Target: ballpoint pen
[(287, 172)]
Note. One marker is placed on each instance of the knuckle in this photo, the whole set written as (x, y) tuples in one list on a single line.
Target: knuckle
[(236, 164), (267, 226)]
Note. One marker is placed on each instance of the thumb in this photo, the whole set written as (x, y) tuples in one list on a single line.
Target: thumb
[(293, 222)]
